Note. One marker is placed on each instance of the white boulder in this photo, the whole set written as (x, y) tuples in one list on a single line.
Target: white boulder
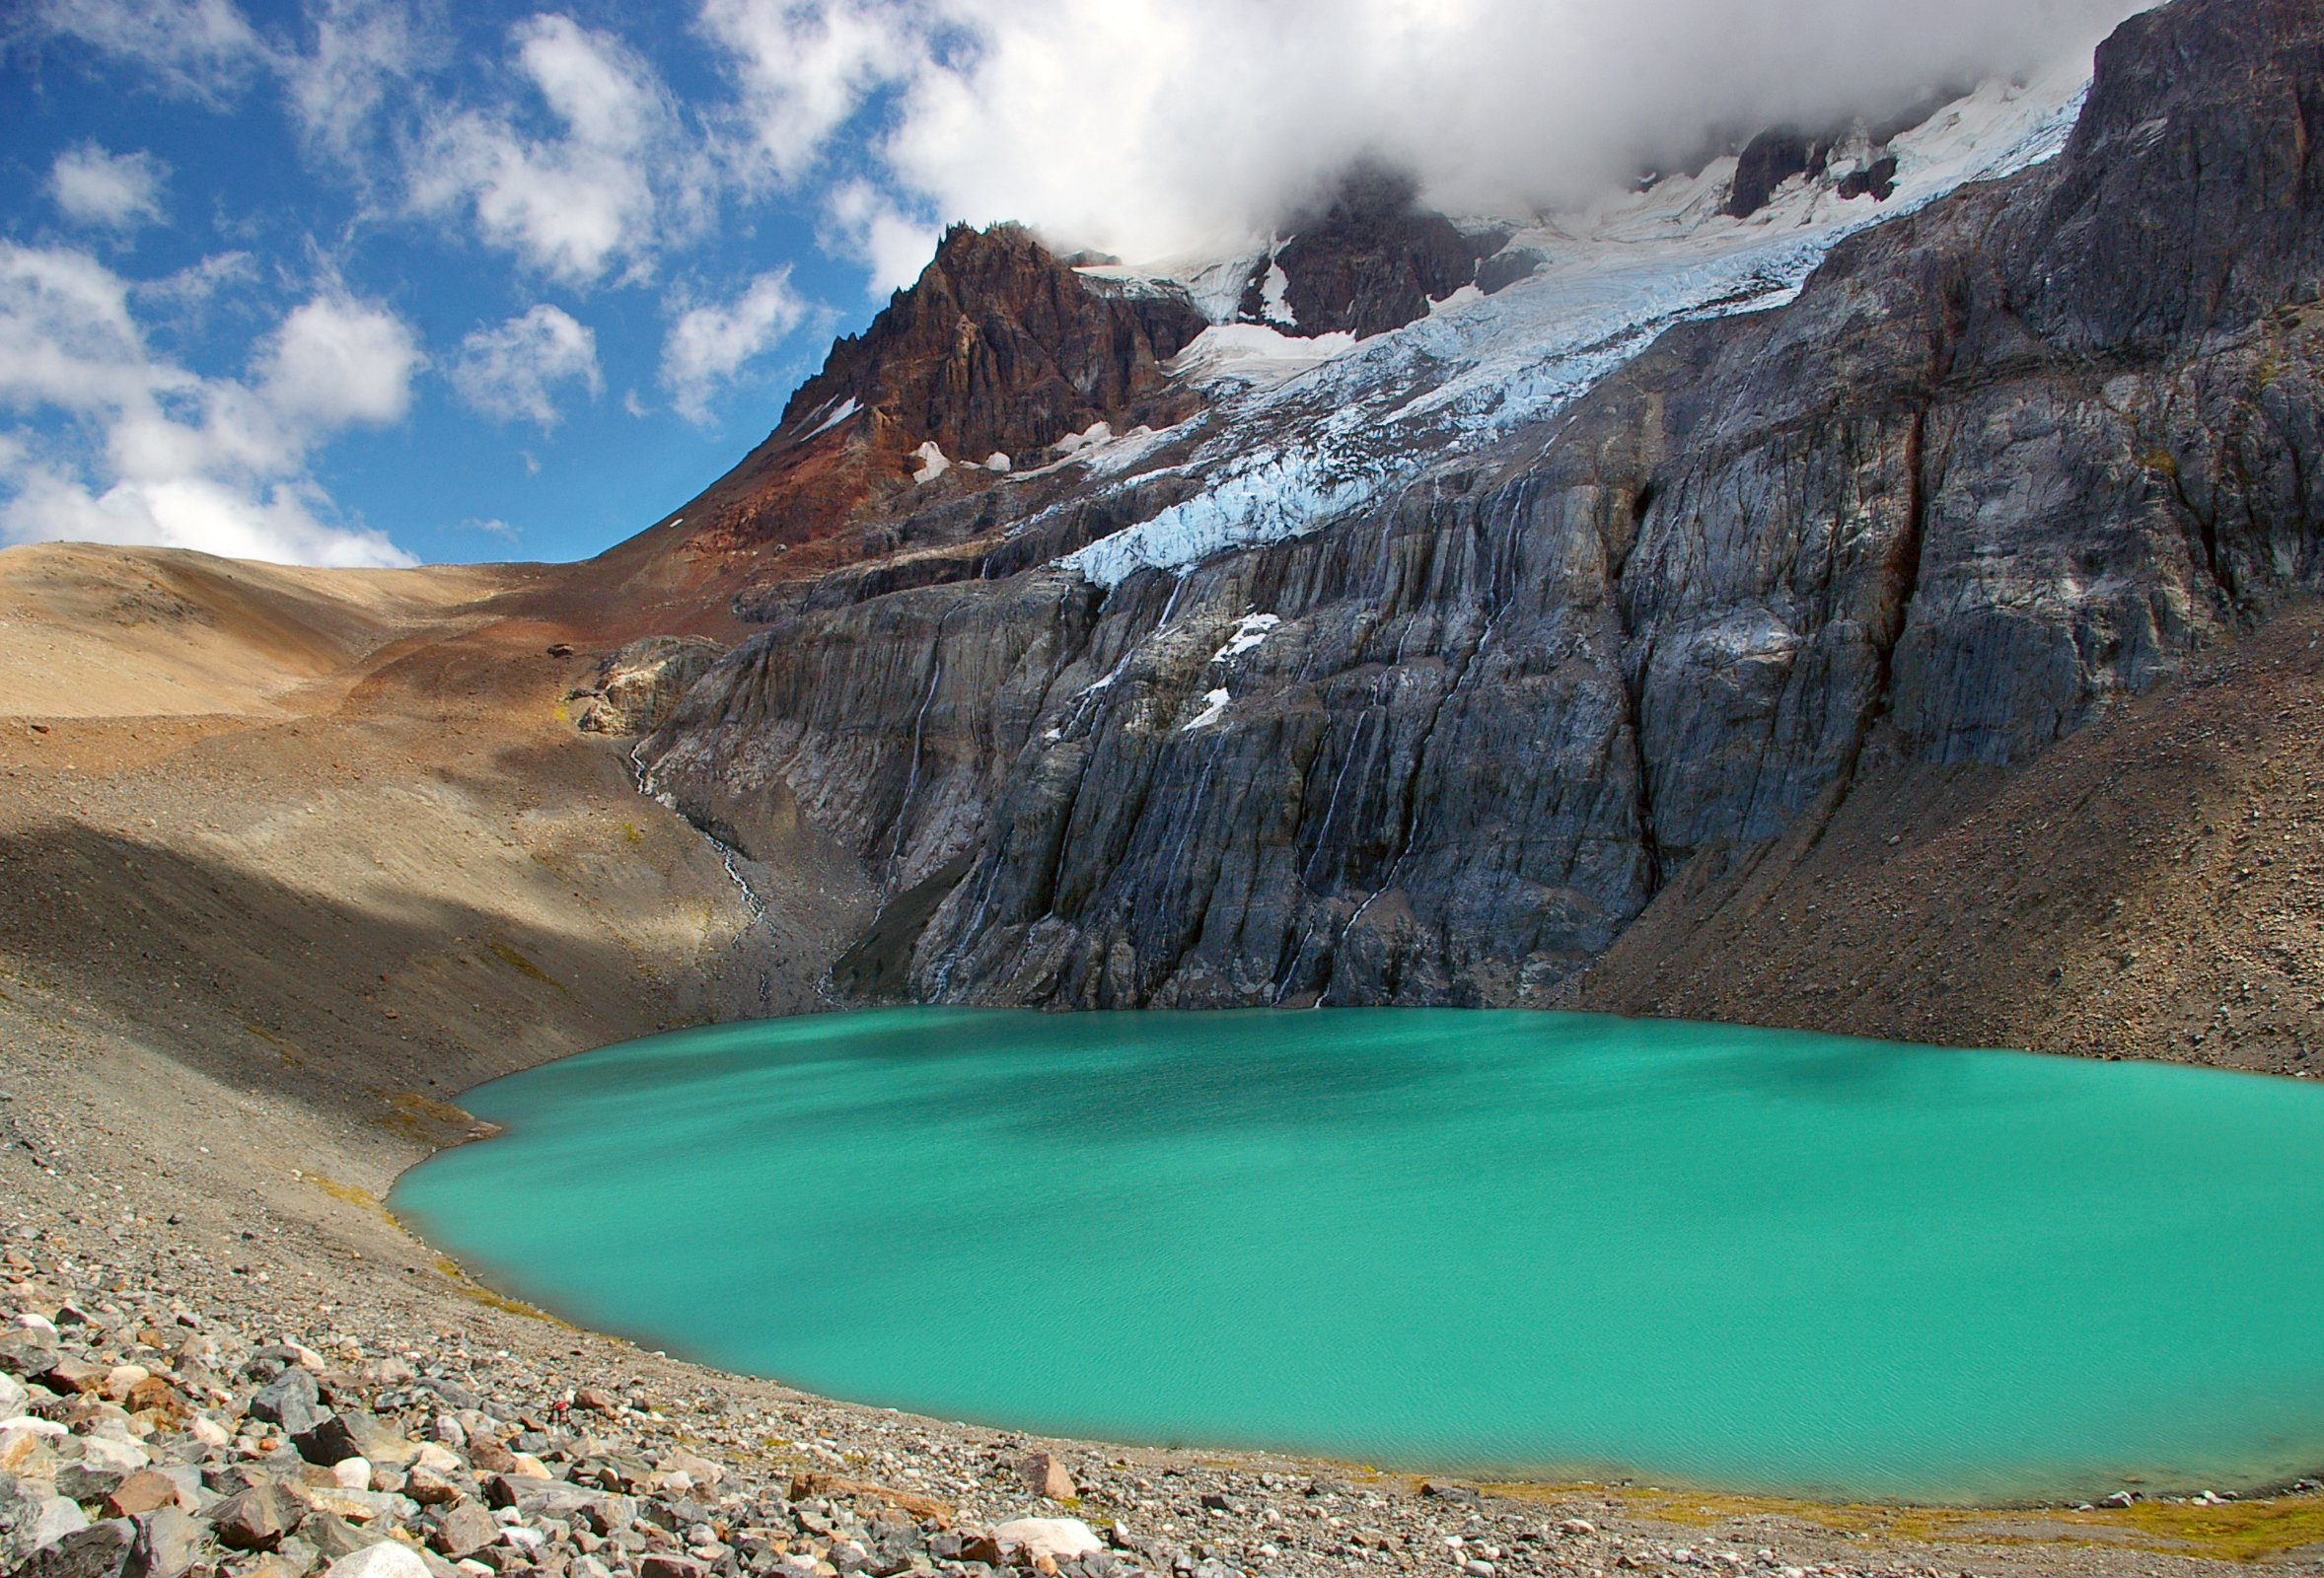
[(387, 1560), (1059, 1539), (122, 1457)]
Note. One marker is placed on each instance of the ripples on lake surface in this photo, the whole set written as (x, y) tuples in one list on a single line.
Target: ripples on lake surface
[(1493, 1242)]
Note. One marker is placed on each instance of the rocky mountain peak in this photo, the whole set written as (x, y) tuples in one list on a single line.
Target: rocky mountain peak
[(1233, 726), (1002, 347), (1372, 260), (1850, 154), (997, 352)]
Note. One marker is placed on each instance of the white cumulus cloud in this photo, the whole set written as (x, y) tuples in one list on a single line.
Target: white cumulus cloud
[(708, 344), (148, 450), (117, 190), (363, 57), (618, 179), (203, 50), (804, 70), (185, 293), (1146, 126), (866, 222), (337, 363), (510, 372)]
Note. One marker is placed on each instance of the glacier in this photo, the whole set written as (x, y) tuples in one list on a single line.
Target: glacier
[(1304, 432)]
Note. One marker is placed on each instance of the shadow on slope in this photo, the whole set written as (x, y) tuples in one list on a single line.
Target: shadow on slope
[(346, 1000)]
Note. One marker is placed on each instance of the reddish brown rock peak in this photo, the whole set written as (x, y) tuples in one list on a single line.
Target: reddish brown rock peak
[(998, 347)]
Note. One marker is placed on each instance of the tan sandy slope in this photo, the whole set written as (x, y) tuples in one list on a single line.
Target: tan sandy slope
[(331, 832), (88, 631)]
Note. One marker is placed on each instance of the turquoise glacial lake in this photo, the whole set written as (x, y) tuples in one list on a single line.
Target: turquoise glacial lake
[(1506, 1243)]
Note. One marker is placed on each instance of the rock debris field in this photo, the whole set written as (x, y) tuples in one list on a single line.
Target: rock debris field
[(149, 1432), (146, 1437)]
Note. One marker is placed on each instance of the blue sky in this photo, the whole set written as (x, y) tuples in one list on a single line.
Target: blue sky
[(517, 282), (377, 281)]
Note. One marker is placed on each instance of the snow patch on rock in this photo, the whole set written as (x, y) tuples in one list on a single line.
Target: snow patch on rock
[(932, 464), (1275, 302), (1253, 355), (1254, 629), (1213, 708), (846, 409), (1095, 433)]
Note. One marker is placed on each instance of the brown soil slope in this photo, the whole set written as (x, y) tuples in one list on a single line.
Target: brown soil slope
[(288, 859), (90, 631)]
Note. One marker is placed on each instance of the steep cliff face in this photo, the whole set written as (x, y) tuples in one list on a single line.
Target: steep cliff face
[(2006, 461), (2142, 888)]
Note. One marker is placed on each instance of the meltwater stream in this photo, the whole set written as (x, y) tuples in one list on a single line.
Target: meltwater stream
[(1516, 1243)]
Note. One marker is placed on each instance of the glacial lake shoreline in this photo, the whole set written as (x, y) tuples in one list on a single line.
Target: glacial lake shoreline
[(1465, 1295)]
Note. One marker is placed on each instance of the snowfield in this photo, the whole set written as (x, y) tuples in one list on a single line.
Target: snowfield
[(1306, 430)]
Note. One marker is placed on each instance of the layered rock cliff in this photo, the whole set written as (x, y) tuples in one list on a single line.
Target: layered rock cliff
[(2006, 461)]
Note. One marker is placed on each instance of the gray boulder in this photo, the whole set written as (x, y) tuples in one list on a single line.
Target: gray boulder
[(463, 1530), (32, 1515), (256, 1518), (169, 1542), (290, 1401), (330, 1442), (100, 1550), (27, 1354)]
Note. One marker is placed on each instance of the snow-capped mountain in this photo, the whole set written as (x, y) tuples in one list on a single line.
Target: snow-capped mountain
[(1397, 610)]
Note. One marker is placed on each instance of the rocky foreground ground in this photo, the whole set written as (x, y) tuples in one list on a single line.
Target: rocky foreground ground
[(182, 1398)]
